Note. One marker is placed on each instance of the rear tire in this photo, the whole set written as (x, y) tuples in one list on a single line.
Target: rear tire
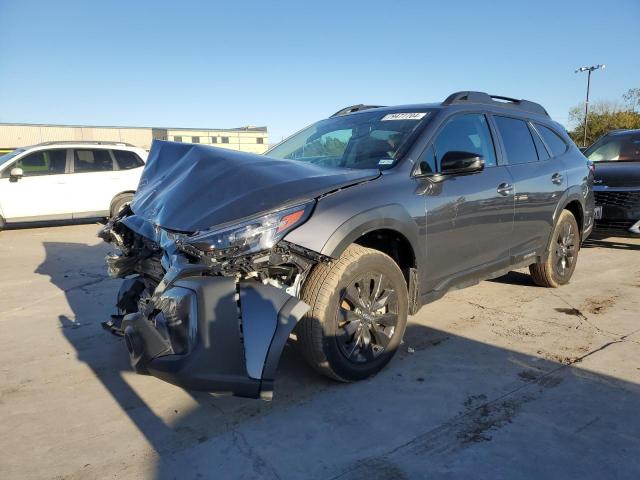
[(559, 262), (119, 202), (358, 315)]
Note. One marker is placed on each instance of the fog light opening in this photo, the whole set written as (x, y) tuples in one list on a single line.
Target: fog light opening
[(132, 342)]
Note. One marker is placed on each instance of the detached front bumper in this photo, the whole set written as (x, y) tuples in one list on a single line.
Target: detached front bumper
[(212, 333)]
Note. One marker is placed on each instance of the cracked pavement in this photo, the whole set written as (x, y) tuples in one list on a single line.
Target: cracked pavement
[(505, 380)]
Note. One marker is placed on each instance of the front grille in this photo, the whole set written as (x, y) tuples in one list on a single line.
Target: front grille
[(618, 199)]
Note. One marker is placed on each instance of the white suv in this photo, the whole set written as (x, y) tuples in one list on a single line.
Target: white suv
[(68, 180)]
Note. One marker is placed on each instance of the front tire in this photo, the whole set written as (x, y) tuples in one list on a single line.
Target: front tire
[(559, 262), (358, 315)]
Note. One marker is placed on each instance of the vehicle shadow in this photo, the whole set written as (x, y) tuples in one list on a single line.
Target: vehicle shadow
[(515, 278), (441, 396), (618, 243)]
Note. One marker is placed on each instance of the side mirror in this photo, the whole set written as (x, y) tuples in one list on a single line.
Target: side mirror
[(16, 173), (461, 162)]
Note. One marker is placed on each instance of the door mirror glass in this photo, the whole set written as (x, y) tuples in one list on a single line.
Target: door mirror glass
[(16, 173), (456, 162)]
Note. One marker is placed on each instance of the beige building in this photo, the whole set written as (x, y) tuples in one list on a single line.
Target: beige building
[(246, 139)]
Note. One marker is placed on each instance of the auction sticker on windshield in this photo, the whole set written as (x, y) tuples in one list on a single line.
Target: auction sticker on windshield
[(404, 116)]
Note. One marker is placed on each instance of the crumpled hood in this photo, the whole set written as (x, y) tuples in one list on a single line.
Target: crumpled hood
[(189, 187), (617, 174)]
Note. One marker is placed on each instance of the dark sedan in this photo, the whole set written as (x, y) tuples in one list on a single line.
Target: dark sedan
[(616, 157)]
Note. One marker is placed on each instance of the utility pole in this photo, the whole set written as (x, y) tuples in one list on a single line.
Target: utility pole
[(586, 103)]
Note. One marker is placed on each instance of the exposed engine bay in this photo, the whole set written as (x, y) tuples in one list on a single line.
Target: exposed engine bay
[(284, 265), (197, 318)]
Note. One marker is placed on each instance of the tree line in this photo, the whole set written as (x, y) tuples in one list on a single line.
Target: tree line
[(605, 116)]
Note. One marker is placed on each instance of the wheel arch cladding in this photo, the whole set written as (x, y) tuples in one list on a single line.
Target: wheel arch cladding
[(575, 207), (372, 228), (391, 243), (572, 204)]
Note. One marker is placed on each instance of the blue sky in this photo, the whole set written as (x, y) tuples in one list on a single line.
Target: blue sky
[(286, 64)]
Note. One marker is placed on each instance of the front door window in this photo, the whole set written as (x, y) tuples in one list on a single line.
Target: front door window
[(466, 133), (44, 162)]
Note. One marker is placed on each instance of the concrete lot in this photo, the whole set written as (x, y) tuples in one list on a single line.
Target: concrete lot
[(506, 380)]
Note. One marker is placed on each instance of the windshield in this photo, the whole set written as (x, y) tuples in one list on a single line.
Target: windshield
[(615, 148), (8, 156), (371, 139)]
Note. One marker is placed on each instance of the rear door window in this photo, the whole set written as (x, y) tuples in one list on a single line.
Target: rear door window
[(92, 160), (127, 159), (552, 139), (517, 140), (466, 133), (44, 162)]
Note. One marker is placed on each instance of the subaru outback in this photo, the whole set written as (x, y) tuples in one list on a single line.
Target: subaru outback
[(336, 235)]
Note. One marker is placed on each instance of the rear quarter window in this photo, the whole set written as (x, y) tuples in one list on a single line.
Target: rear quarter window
[(552, 139), (127, 159), (543, 154)]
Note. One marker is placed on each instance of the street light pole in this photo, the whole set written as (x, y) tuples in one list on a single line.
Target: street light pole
[(586, 110), (586, 103)]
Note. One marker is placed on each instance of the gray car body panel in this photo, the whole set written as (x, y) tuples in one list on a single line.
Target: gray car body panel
[(461, 231)]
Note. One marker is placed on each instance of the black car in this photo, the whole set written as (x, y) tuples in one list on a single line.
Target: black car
[(616, 185), (336, 235)]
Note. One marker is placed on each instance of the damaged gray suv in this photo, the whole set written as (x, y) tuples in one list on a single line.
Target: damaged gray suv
[(336, 235)]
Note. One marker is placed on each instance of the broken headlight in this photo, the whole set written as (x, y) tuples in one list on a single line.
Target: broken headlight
[(249, 236)]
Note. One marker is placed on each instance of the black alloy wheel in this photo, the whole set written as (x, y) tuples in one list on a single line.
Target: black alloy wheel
[(367, 317), (555, 266), (359, 307), (566, 249)]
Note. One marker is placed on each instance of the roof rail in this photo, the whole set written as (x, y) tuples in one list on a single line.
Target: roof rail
[(354, 108), (86, 142), (495, 100)]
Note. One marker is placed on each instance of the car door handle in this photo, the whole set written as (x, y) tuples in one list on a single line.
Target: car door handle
[(556, 178), (505, 189)]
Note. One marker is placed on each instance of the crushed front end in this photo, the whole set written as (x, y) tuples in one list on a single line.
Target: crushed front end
[(209, 310), (211, 286)]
